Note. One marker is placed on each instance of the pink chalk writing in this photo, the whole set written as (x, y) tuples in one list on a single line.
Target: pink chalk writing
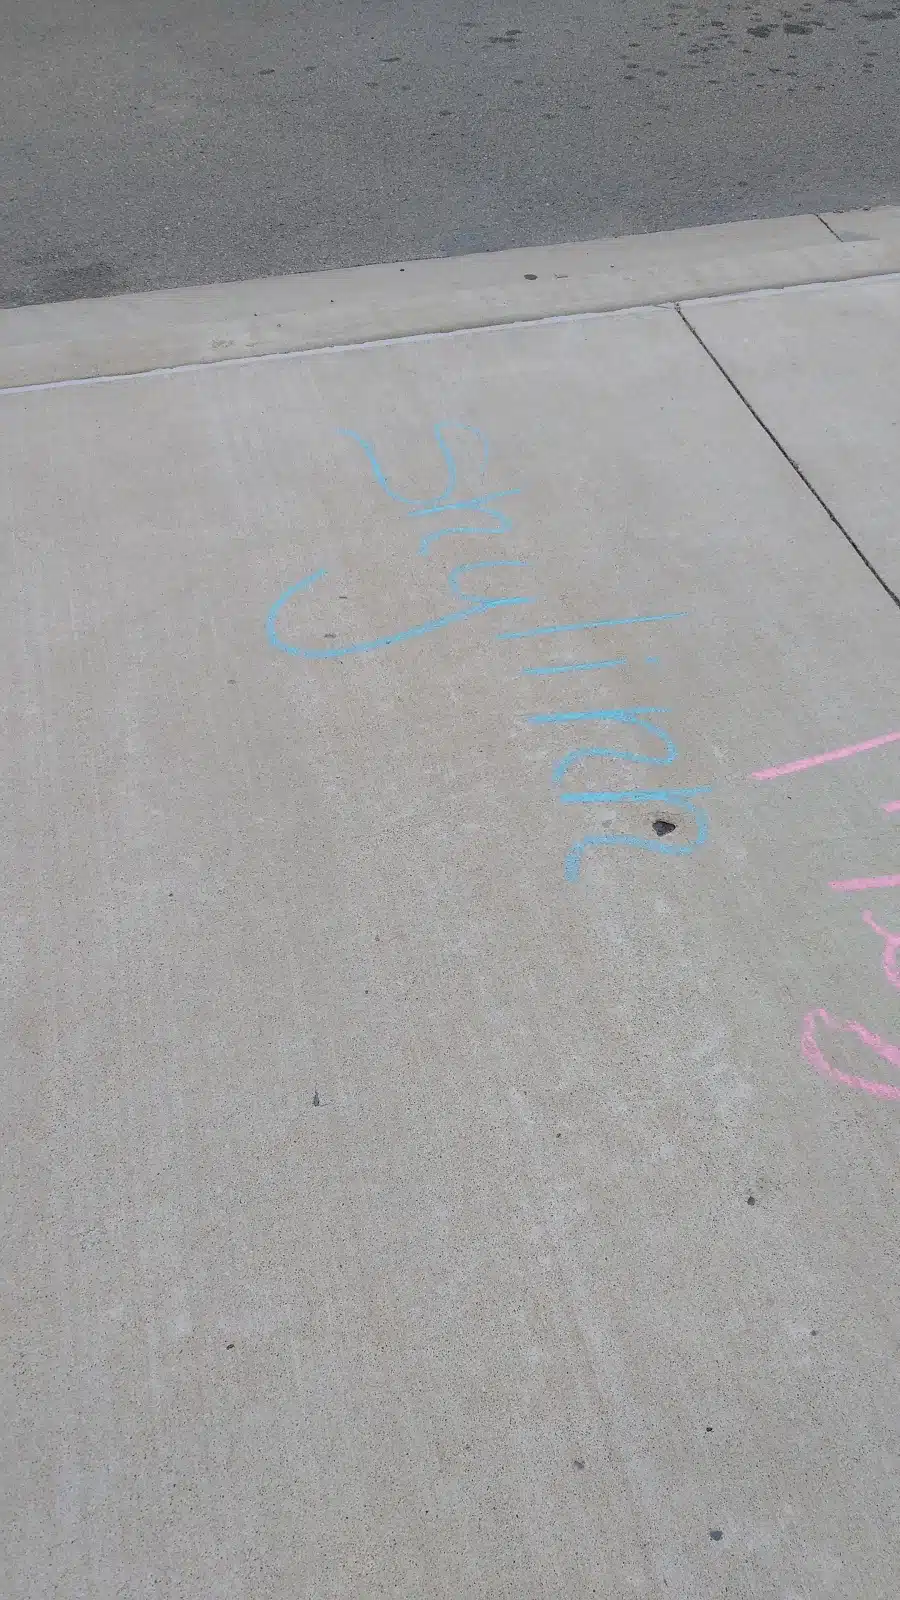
[(889, 954), (818, 1023), (853, 885), (829, 755), (814, 1054)]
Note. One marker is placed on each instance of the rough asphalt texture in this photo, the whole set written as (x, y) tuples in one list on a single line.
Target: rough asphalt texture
[(152, 143)]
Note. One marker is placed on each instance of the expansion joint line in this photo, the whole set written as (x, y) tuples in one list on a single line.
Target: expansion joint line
[(788, 458)]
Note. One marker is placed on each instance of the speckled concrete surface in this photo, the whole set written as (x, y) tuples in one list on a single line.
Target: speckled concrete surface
[(821, 367), (389, 1211)]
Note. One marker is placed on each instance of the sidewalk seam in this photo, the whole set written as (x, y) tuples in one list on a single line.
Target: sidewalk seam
[(374, 341), (298, 352), (678, 308), (891, 274)]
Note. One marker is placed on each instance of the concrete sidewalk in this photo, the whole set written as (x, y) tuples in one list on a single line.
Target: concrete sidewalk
[(453, 1058)]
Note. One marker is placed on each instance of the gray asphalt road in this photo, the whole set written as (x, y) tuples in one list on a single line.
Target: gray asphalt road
[(151, 143)]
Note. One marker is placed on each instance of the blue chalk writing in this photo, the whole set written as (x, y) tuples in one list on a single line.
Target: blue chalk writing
[(503, 523), (593, 797), (677, 799), (577, 666), (443, 503), (637, 716), (333, 652), (600, 716), (454, 501), (603, 622), (480, 566), (446, 452), (475, 503)]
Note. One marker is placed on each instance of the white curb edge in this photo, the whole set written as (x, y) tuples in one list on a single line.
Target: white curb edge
[(184, 327)]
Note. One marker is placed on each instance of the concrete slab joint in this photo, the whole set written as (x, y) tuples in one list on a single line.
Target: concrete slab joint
[(129, 333)]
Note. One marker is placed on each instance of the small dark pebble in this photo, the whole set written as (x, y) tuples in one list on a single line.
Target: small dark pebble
[(751, 1199), (709, 1427), (579, 1465), (715, 1533), (531, 277), (229, 1347), (661, 826), (316, 1100)]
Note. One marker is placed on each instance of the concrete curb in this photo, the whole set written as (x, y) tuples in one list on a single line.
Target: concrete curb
[(140, 332)]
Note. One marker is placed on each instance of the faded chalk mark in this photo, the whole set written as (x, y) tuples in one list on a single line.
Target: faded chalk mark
[(814, 1054), (603, 622), (636, 716), (425, 501), (333, 652), (854, 885), (577, 666), (444, 502), (672, 799), (889, 954), (829, 755), (503, 523)]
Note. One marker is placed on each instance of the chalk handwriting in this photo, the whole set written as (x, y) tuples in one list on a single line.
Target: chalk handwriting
[(477, 606), (830, 755), (817, 1058), (579, 627), (854, 885), (451, 503), (889, 953), (637, 716), (811, 1043), (672, 799), (440, 504)]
